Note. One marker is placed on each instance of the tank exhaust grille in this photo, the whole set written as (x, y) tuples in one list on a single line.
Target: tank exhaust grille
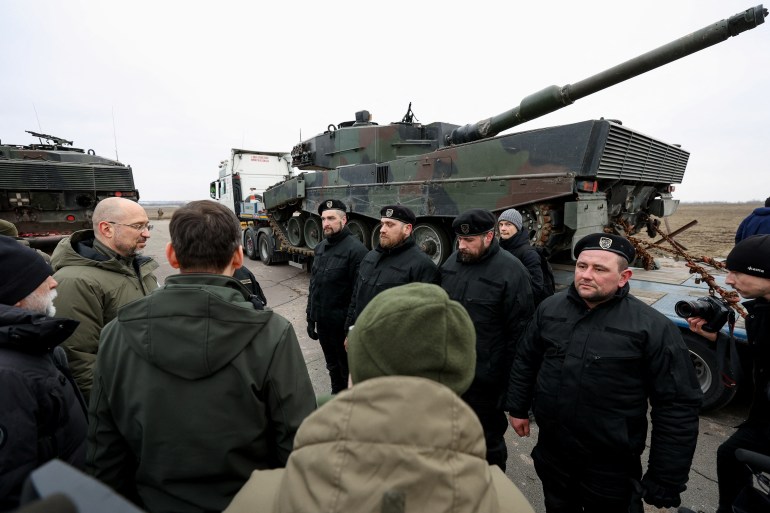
[(64, 177), (382, 174), (629, 155)]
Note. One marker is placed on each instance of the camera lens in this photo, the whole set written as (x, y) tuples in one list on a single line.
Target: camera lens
[(694, 308)]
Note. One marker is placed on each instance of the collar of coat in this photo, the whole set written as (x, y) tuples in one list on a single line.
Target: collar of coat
[(621, 293), (29, 332)]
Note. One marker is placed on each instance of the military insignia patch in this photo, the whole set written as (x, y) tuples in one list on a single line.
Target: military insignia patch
[(329, 204), (605, 243), (389, 212), (465, 228)]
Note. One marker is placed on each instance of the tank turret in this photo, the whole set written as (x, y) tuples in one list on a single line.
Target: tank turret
[(566, 180)]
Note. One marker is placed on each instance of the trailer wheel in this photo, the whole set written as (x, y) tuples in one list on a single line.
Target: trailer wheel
[(715, 393), (250, 244), (266, 249), (433, 241), (361, 231)]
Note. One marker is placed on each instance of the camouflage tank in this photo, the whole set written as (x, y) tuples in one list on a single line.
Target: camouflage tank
[(566, 180), (50, 190)]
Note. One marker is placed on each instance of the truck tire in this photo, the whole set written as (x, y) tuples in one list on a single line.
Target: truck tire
[(250, 244), (266, 249), (715, 393)]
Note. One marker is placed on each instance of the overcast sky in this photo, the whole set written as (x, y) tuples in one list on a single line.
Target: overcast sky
[(186, 81)]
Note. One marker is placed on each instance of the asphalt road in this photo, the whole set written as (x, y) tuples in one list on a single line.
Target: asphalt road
[(286, 289)]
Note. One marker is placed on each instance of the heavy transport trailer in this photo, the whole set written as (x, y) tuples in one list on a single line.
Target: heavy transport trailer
[(567, 180), (49, 190), (662, 288)]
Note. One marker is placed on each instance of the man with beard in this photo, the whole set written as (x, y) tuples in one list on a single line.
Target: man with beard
[(42, 415), (334, 272), (593, 357), (494, 287), (99, 271), (395, 261)]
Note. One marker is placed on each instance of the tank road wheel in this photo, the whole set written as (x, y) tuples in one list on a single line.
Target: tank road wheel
[(361, 231), (294, 231), (433, 240), (250, 244), (375, 238), (313, 231), (715, 394), (282, 214), (266, 249)]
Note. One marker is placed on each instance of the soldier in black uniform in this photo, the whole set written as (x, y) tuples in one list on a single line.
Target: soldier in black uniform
[(494, 287), (395, 261), (593, 357), (334, 272)]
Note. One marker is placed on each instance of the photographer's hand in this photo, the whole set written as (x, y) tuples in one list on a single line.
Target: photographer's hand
[(696, 326)]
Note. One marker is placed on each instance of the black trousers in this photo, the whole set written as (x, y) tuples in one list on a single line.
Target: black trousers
[(578, 484), (733, 475), (495, 422), (332, 339)]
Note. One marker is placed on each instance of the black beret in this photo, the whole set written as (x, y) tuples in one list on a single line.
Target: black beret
[(607, 242), (751, 256), (399, 213), (22, 270), (331, 204), (474, 222)]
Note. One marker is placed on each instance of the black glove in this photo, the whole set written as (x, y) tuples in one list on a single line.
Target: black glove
[(660, 496), (311, 330)]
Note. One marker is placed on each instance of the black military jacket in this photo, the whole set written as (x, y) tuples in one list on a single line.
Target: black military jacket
[(382, 269), (497, 294), (333, 276), (592, 373)]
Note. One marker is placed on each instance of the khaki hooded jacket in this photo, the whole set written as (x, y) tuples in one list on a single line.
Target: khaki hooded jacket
[(396, 444)]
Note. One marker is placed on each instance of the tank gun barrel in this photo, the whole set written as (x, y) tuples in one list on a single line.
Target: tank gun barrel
[(553, 98)]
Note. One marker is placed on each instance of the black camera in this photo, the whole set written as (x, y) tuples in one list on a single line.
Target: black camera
[(715, 311)]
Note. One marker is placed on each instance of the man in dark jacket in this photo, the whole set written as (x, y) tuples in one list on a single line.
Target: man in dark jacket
[(757, 223), (494, 287), (42, 415), (99, 271), (749, 266), (194, 386), (592, 357), (395, 261), (333, 276), (516, 242)]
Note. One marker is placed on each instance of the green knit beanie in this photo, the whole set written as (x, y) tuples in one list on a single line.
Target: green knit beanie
[(414, 330)]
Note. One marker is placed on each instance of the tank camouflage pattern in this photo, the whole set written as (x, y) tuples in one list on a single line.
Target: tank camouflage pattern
[(50, 190), (566, 180)]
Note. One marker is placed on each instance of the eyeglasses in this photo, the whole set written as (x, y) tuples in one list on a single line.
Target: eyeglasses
[(138, 227)]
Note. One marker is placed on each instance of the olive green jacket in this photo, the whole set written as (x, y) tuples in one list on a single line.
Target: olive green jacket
[(94, 282), (193, 390), (397, 444)]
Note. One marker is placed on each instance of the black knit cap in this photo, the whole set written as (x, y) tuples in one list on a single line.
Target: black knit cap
[(22, 270), (474, 222), (607, 242), (399, 213), (331, 204), (751, 256)]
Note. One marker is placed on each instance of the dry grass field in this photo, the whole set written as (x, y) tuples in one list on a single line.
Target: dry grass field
[(714, 235)]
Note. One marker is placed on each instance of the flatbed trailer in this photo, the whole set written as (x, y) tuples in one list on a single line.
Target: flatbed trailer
[(662, 288)]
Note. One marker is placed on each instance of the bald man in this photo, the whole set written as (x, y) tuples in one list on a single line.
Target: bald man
[(99, 271)]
